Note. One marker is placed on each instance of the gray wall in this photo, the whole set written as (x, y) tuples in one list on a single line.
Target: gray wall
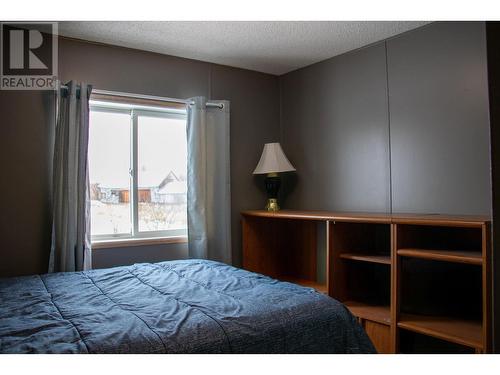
[(335, 131), (420, 115), (254, 121), (27, 135), (438, 90)]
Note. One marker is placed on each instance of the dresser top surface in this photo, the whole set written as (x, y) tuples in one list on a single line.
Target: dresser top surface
[(383, 218)]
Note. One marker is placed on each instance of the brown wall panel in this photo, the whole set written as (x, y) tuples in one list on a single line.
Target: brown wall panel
[(26, 134)]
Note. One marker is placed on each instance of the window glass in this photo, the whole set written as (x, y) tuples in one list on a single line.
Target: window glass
[(154, 206), (161, 156), (109, 163)]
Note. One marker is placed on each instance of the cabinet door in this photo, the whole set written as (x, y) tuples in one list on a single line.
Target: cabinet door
[(380, 334)]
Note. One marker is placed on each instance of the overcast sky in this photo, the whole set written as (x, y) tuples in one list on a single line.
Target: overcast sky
[(161, 149)]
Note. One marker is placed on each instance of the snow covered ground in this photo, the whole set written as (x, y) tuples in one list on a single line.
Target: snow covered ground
[(111, 218)]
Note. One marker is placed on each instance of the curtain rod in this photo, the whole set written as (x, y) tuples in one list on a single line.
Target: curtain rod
[(147, 97)]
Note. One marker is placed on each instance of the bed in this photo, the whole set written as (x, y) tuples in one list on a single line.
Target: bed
[(186, 306)]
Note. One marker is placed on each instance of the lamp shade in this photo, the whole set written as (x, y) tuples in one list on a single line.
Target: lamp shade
[(273, 160)]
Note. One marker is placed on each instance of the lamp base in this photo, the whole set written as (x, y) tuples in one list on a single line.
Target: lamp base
[(272, 205), (273, 183)]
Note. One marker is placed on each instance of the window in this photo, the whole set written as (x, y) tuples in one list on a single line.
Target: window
[(137, 170)]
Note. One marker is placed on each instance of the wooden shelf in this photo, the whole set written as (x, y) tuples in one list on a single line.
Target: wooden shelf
[(468, 257), (382, 259), (379, 314), (352, 247), (322, 288), (463, 332)]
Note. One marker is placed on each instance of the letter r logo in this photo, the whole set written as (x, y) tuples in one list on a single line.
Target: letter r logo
[(35, 40)]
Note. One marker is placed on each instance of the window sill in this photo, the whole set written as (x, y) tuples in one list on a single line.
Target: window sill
[(129, 242)]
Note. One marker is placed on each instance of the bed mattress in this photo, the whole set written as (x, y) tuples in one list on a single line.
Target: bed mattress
[(186, 306)]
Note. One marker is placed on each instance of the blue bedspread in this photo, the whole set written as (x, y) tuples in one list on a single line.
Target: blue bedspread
[(187, 306)]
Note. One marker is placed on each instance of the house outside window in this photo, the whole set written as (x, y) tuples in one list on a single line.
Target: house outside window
[(137, 170)]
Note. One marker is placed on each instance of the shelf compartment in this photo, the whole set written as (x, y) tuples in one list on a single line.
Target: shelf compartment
[(381, 259), (433, 288), (377, 313), (439, 238), (360, 258), (322, 288), (467, 257), (463, 332), (365, 282), (411, 342)]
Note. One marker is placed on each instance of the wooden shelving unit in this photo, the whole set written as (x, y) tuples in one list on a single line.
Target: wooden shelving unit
[(415, 278)]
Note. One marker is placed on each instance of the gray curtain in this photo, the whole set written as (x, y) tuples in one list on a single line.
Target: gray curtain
[(70, 250), (208, 194)]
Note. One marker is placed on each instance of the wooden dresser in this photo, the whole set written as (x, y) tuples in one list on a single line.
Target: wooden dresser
[(416, 283)]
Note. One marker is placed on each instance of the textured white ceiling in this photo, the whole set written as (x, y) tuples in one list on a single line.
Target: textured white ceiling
[(269, 47)]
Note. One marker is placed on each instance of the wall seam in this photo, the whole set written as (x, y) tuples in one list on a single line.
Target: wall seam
[(388, 124), (210, 82), (280, 122)]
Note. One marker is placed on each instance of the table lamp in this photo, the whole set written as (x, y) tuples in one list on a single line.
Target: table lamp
[(273, 161)]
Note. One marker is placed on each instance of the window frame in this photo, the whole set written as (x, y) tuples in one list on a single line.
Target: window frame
[(134, 111)]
